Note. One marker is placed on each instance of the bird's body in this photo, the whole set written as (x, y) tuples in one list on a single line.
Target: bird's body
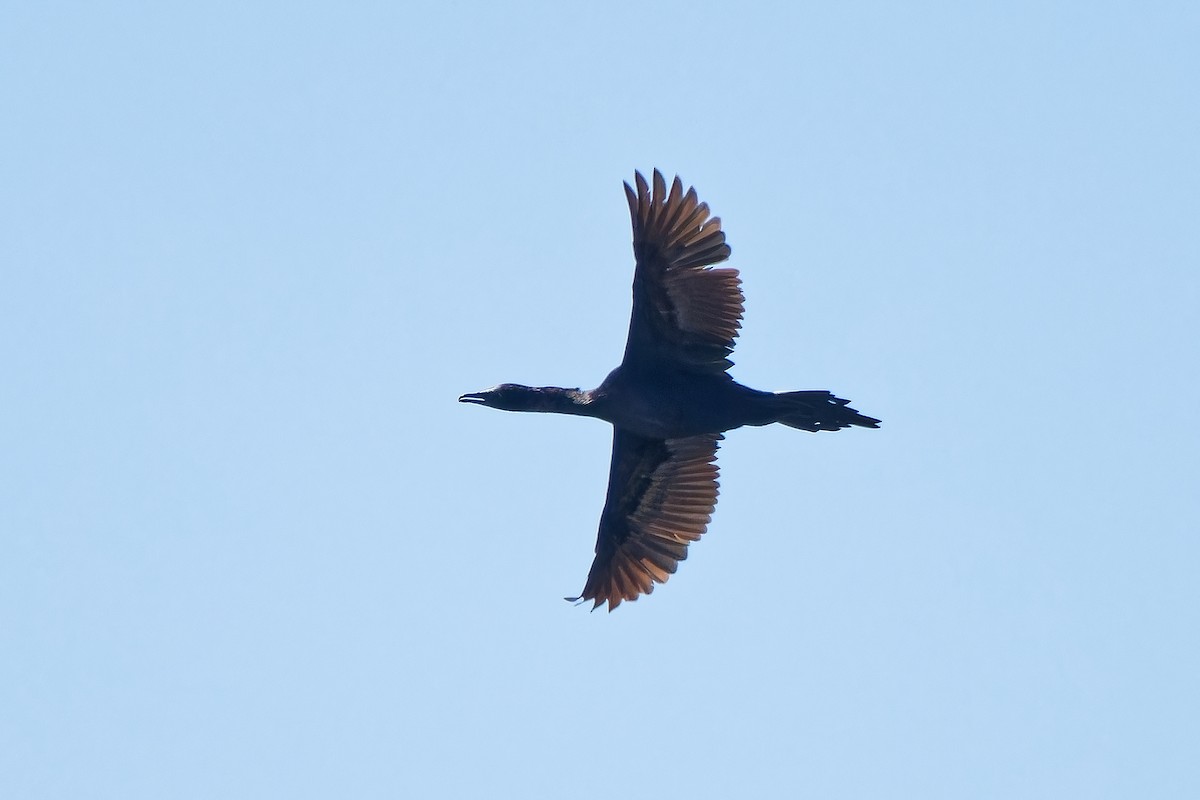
[(671, 399), (662, 405), (669, 404)]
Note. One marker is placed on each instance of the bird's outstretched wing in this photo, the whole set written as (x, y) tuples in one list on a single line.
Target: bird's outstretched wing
[(661, 496), (685, 314)]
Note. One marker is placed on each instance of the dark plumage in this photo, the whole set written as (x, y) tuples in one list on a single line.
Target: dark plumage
[(671, 398)]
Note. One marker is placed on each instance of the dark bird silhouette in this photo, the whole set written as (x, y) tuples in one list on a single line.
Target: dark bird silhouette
[(671, 398)]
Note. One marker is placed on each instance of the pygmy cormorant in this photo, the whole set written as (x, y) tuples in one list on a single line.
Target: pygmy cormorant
[(671, 398)]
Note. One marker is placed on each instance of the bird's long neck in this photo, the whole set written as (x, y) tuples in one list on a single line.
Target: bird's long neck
[(556, 400)]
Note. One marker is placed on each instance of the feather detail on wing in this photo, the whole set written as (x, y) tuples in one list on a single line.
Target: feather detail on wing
[(661, 496), (685, 313)]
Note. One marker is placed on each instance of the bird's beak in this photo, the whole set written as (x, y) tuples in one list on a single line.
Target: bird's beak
[(473, 397)]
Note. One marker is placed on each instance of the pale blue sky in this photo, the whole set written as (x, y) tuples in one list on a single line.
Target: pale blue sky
[(250, 545)]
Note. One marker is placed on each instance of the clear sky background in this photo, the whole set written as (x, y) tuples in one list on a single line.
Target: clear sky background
[(250, 545)]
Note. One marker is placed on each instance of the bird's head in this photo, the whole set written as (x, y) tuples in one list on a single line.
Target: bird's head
[(515, 397), (506, 397)]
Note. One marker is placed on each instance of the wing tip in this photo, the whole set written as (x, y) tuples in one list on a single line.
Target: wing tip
[(674, 222)]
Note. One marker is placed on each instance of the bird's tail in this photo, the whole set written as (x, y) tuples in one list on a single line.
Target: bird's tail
[(818, 411)]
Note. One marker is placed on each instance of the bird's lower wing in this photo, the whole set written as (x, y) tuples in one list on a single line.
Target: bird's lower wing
[(661, 496)]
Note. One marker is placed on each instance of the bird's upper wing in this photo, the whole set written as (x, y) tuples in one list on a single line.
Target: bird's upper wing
[(685, 314), (661, 495)]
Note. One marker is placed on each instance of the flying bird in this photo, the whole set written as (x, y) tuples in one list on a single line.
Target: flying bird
[(672, 397)]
